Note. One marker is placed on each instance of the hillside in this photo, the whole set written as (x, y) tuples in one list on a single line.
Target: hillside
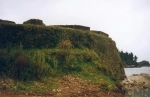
[(38, 56)]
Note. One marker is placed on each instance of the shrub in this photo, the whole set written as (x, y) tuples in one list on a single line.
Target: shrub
[(63, 55), (79, 27), (34, 21), (67, 60), (19, 68), (100, 32), (104, 86), (39, 68), (7, 22), (65, 45), (30, 36), (3, 62), (24, 66)]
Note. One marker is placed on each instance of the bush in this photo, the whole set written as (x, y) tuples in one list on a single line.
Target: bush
[(4, 59), (100, 32), (79, 27), (19, 68), (7, 22), (38, 67), (64, 53), (31, 36), (24, 66), (34, 21), (65, 45)]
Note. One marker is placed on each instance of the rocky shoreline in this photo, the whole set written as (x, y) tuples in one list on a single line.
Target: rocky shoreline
[(137, 81)]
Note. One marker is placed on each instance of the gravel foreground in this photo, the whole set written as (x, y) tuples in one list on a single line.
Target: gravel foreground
[(74, 87), (71, 87)]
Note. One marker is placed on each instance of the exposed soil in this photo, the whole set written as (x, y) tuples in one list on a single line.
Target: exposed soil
[(75, 87), (70, 87)]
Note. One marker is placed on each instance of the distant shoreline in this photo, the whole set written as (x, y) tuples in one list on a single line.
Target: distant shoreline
[(139, 70), (136, 67)]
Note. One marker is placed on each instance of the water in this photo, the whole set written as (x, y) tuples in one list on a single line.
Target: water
[(131, 71)]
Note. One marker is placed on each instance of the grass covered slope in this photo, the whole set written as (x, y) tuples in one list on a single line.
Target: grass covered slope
[(35, 52)]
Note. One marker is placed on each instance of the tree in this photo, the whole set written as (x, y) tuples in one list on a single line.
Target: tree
[(128, 58), (135, 58), (131, 56), (144, 63)]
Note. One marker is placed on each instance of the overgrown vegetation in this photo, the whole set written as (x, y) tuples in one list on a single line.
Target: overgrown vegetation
[(34, 21), (7, 22), (22, 65), (34, 52), (79, 27), (30, 65)]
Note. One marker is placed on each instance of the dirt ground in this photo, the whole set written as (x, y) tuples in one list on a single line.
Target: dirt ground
[(71, 87)]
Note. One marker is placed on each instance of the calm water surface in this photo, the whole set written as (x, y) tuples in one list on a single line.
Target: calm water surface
[(131, 71)]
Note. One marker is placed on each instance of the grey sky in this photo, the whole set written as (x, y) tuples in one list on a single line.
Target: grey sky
[(126, 21)]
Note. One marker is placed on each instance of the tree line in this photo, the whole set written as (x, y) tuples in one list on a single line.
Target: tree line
[(129, 59)]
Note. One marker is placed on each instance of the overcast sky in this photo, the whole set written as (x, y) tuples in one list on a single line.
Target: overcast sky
[(126, 21)]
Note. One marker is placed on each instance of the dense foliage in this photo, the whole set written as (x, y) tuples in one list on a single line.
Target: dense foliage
[(76, 27), (100, 32), (34, 21), (7, 22), (23, 65), (143, 63), (46, 50), (128, 58)]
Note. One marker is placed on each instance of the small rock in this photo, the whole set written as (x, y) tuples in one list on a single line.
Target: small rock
[(134, 81), (145, 87), (132, 84), (58, 90), (54, 90), (144, 74), (135, 74)]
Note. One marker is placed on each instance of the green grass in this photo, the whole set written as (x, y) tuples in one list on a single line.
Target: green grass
[(91, 74), (45, 85), (44, 67)]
